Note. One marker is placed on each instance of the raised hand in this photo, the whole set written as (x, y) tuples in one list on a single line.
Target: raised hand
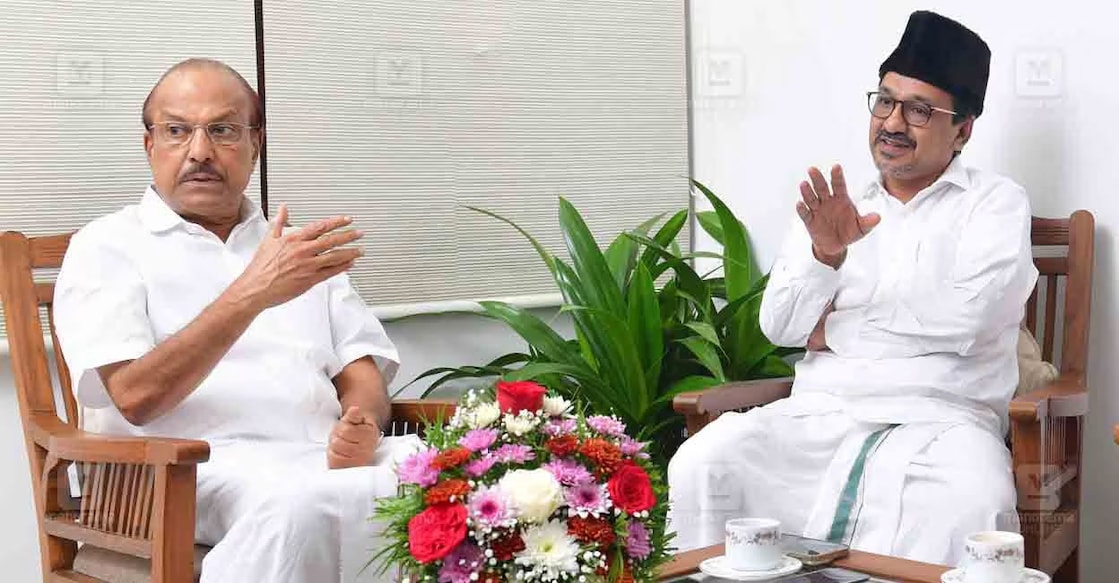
[(831, 218), (286, 265), (353, 440)]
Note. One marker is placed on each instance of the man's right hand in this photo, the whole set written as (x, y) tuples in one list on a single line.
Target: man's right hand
[(286, 265), (831, 218)]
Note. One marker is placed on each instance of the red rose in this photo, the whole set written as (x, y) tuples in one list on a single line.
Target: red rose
[(562, 446), (435, 531), (630, 489), (519, 396)]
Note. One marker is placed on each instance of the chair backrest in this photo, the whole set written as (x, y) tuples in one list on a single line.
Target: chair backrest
[(1064, 253)]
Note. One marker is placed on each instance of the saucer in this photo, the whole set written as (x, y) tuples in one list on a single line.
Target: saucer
[(1028, 576), (718, 567)]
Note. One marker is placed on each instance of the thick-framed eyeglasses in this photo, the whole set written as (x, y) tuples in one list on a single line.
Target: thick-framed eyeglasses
[(916, 113), (221, 133)]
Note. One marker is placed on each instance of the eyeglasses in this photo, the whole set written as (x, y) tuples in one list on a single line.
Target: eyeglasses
[(221, 133), (916, 113)]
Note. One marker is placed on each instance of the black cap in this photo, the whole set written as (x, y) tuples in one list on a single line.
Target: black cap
[(944, 53)]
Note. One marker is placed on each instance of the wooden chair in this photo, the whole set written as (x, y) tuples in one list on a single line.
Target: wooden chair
[(135, 514), (1046, 424)]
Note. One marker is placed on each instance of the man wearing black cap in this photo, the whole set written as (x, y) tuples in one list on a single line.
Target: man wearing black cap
[(908, 295)]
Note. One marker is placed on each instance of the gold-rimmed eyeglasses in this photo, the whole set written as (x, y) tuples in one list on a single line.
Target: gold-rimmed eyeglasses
[(221, 133), (916, 113)]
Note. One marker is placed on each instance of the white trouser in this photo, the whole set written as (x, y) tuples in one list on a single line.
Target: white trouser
[(925, 486), (274, 512)]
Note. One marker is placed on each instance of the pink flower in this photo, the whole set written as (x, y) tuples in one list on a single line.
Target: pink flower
[(514, 454), (477, 468), (631, 447), (637, 541), (568, 472), (558, 427), (417, 469), (587, 499), (607, 425), (488, 507), (465, 560), (478, 439)]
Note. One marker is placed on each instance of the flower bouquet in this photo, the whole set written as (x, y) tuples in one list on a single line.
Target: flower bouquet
[(522, 488)]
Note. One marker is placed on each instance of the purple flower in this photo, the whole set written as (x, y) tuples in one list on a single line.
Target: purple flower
[(587, 499), (514, 454), (568, 472), (478, 439), (558, 427), (477, 468), (637, 541), (631, 447), (417, 469), (461, 563), (607, 425), (488, 507)]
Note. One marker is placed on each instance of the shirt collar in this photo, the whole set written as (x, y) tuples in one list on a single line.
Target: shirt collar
[(158, 217), (955, 174)]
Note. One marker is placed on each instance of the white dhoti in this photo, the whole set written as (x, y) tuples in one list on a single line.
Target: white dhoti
[(913, 490), (274, 512)]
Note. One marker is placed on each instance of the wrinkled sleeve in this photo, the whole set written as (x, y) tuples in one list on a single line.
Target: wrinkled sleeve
[(356, 332), (100, 311), (799, 289), (984, 293)]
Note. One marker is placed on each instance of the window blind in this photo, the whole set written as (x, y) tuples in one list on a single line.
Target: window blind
[(75, 77), (401, 113)]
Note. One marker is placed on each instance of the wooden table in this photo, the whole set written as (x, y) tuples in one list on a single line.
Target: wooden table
[(889, 568)]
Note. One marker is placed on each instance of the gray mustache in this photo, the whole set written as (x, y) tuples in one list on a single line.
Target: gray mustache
[(902, 138)]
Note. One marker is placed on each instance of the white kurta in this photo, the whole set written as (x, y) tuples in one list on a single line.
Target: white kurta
[(922, 358), (266, 499)]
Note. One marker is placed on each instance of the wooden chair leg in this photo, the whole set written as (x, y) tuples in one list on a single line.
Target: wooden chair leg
[(1070, 571), (173, 524)]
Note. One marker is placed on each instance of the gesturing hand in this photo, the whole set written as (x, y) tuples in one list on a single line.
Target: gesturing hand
[(353, 440), (286, 265), (831, 218)]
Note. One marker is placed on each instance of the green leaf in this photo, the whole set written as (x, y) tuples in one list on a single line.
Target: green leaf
[(772, 367), (707, 356), (705, 331), (540, 250), (645, 324), (533, 330), (687, 385), (741, 271), (664, 237), (622, 253), (709, 221), (599, 289)]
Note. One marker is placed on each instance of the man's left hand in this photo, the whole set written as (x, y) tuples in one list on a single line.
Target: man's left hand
[(353, 440)]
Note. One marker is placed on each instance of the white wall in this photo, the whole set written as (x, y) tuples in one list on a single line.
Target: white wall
[(779, 85)]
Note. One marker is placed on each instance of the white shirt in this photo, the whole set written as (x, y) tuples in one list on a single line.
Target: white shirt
[(135, 277), (927, 306)]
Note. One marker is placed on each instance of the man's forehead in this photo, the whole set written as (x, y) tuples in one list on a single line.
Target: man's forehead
[(200, 90), (910, 88)]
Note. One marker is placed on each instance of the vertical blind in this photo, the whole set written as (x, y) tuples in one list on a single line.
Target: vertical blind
[(402, 113)]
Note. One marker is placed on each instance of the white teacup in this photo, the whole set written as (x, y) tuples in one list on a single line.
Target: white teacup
[(993, 557), (753, 544)]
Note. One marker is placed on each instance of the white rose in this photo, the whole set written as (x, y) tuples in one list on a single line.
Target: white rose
[(556, 406), (484, 415), (533, 494), (520, 424)]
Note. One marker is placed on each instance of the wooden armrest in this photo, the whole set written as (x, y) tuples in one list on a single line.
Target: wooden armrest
[(1117, 434), (65, 442), (1064, 397), (732, 396), (423, 410)]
